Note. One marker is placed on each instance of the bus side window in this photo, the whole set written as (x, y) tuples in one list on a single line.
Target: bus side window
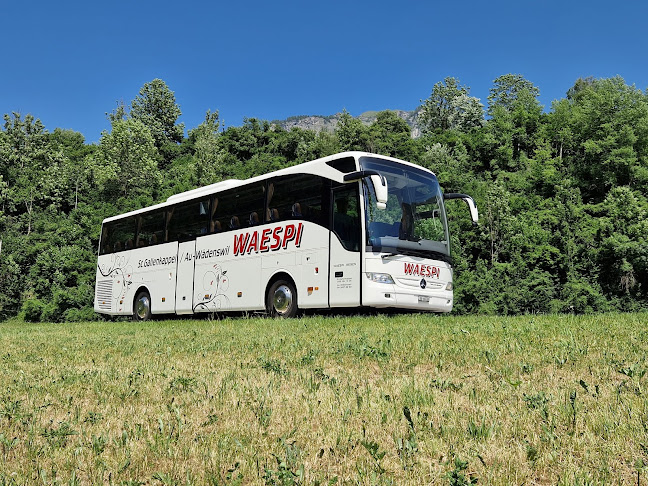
[(104, 247), (222, 211), (150, 228), (119, 233), (248, 204), (190, 219), (297, 197)]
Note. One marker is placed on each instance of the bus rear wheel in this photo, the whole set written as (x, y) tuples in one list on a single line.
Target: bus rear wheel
[(142, 307), (281, 300)]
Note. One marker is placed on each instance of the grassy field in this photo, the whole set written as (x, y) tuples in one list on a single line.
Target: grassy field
[(407, 399)]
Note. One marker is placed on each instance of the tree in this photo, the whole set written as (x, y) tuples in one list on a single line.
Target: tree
[(607, 121), (391, 135), (508, 89), (450, 107), (208, 154), (75, 174), (156, 108), (127, 160), (623, 250), (31, 166), (513, 102), (351, 133)]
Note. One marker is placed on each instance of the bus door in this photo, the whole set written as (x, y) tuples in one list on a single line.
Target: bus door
[(185, 277), (344, 275)]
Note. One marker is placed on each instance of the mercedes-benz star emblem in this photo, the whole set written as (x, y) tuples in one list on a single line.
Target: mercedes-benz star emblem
[(423, 283)]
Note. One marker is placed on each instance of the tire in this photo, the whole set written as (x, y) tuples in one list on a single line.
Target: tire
[(281, 300), (142, 306)]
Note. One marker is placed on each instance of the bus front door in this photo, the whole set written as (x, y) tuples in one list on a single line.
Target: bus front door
[(185, 277), (344, 284)]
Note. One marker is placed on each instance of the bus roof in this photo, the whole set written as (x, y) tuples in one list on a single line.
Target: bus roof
[(316, 167)]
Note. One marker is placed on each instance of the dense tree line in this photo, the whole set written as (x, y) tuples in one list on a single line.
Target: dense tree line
[(561, 192)]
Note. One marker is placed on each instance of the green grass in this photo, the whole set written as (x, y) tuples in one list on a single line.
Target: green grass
[(408, 399)]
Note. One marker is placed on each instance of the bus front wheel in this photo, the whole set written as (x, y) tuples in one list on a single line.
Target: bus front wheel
[(142, 307), (281, 300)]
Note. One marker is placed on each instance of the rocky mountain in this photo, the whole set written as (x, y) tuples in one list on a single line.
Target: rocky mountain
[(328, 123)]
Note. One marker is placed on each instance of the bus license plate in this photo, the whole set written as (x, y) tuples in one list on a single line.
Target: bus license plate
[(423, 298)]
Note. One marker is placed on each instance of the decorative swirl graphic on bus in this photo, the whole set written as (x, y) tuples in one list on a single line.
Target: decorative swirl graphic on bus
[(120, 272), (215, 284)]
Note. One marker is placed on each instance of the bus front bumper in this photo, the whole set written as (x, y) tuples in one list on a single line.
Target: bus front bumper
[(388, 295)]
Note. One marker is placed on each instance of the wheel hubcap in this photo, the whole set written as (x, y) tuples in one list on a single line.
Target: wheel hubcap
[(282, 299), (143, 306)]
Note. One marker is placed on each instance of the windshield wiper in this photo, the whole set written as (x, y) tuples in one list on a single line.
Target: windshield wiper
[(433, 254), (388, 255)]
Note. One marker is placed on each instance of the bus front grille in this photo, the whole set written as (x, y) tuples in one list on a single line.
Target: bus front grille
[(104, 294)]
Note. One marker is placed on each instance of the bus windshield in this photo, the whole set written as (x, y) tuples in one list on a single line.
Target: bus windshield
[(414, 222)]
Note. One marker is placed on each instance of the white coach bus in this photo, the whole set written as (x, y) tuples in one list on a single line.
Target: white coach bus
[(353, 229)]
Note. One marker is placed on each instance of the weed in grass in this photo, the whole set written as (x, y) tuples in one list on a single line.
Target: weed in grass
[(480, 431), (7, 444), (532, 453), (527, 368), (165, 478), (634, 370), (58, 437), (98, 444), (212, 418), (261, 410), (308, 358), (273, 366), (560, 361), (490, 356), (445, 385), (406, 448), (10, 409), (376, 454), (572, 402), (319, 374), (537, 401), (458, 476), (93, 418), (183, 383), (290, 469)]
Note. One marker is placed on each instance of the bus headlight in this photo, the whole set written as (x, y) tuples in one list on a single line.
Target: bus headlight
[(449, 286), (380, 277)]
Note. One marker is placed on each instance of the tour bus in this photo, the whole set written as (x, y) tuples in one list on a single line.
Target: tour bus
[(349, 230)]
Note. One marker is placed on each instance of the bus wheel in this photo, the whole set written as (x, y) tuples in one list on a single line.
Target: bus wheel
[(142, 307), (281, 300)]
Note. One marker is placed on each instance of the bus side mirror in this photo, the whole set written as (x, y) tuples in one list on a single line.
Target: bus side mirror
[(469, 201), (380, 190), (377, 180)]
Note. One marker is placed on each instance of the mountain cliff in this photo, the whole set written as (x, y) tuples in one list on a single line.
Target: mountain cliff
[(319, 123)]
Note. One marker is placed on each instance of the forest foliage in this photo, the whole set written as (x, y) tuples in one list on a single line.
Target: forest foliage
[(561, 190)]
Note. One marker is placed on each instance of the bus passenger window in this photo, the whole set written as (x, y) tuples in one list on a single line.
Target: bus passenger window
[(118, 233), (297, 197), (189, 220)]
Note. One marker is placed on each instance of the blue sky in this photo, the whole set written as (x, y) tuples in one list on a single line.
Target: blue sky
[(69, 62)]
